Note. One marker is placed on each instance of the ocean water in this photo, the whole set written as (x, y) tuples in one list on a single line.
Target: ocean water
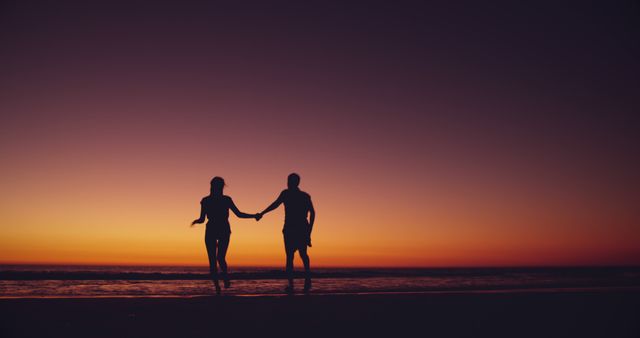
[(126, 281)]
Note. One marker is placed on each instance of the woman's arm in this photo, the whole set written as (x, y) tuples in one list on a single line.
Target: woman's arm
[(239, 213), (202, 217)]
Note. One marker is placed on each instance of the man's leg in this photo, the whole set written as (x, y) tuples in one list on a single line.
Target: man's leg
[(289, 249), (305, 259), (307, 268), (290, 254)]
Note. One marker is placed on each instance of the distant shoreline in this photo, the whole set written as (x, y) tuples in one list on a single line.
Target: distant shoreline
[(22, 272), (4, 265)]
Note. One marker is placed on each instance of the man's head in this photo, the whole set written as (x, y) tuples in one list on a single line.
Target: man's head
[(293, 181)]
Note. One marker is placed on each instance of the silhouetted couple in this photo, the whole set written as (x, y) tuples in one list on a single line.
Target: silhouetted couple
[(297, 229)]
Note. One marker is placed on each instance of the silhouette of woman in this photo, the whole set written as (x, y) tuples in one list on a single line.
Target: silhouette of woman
[(215, 207)]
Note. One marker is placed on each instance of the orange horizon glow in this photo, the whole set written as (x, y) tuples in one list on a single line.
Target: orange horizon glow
[(137, 236), (102, 213)]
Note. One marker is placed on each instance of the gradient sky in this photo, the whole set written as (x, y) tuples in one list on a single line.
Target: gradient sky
[(464, 134)]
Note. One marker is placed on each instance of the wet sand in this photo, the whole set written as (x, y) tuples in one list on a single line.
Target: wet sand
[(504, 314)]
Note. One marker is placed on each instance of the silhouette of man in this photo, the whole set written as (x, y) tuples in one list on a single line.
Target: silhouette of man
[(297, 229)]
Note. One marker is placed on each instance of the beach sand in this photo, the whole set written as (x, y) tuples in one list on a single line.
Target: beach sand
[(464, 314)]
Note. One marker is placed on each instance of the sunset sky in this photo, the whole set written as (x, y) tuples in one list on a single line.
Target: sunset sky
[(461, 134)]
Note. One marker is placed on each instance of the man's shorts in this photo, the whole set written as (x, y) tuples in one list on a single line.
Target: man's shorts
[(296, 238)]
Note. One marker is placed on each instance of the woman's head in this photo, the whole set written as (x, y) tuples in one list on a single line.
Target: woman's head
[(217, 184)]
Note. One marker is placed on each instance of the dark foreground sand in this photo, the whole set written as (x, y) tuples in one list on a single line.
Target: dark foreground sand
[(521, 314)]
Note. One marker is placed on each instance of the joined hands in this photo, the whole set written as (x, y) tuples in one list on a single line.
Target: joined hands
[(257, 216)]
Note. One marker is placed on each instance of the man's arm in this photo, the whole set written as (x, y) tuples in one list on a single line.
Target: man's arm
[(312, 215), (312, 219), (273, 205)]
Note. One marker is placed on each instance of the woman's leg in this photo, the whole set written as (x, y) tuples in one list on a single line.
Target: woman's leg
[(211, 244), (223, 245)]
